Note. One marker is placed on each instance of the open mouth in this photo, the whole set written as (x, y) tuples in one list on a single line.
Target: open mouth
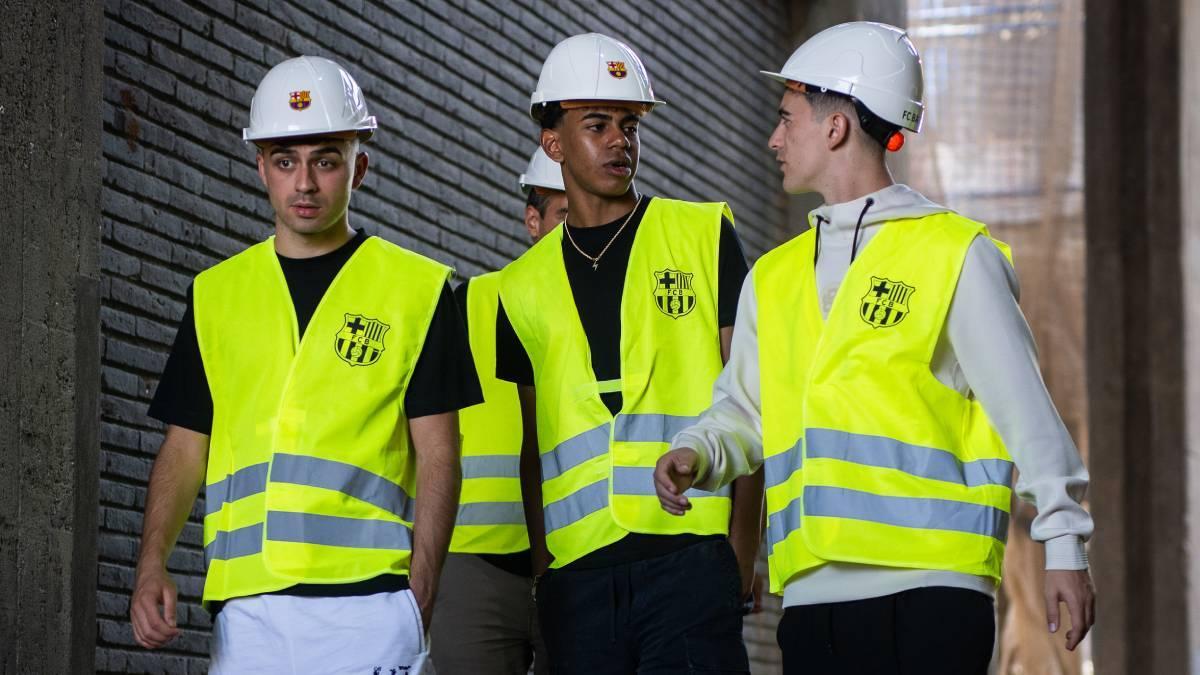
[(619, 167)]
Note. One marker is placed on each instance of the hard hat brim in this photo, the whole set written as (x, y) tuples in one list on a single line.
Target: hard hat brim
[(364, 130), (525, 186), (653, 103)]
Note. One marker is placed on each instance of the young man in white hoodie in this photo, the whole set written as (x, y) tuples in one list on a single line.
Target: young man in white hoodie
[(903, 386)]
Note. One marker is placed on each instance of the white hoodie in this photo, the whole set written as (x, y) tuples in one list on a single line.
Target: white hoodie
[(986, 351)]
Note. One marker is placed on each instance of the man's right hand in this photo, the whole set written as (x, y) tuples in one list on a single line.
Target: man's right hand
[(673, 475), (152, 607)]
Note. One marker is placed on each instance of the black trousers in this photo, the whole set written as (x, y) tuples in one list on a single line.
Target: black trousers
[(674, 614), (926, 631)]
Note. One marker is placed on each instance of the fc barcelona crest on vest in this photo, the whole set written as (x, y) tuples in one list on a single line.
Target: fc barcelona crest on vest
[(673, 293), (360, 341), (886, 303)]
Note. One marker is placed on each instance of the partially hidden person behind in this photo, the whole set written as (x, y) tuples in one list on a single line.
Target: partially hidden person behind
[(485, 621)]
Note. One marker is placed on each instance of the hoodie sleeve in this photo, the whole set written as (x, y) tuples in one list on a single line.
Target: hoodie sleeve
[(996, 352), (728, 436)]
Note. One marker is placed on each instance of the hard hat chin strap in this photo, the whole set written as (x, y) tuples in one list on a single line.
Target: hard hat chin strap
[(884, 132)]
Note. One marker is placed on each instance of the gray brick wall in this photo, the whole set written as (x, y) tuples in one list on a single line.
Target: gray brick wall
[(449, 81)]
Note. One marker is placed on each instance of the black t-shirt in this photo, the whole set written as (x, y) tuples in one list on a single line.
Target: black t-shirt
[(597, 295), (443, 378)]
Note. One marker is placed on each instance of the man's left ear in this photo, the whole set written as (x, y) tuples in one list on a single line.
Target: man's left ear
[(839, 130), (360, 168)]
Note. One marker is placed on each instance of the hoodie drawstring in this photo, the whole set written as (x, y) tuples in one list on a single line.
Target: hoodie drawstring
[(817, 245), (858, 227)]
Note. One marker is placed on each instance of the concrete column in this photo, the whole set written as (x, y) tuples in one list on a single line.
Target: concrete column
[(49, 343), (1190, 262), (1137, 311)]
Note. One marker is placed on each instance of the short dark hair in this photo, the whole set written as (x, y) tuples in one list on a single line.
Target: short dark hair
[(825, 103), (538, 200), (549, 114)]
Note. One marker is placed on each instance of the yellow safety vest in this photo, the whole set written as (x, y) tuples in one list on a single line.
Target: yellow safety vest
[(868, 457), (310, 475), (491, 518), (597, 471)]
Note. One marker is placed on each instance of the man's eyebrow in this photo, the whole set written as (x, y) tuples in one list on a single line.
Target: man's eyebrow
[(631, 117), (321, 150), (784, 113), (598, 115)]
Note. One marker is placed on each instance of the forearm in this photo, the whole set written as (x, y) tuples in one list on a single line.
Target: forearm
[(996, 352), (531, 482), (439, 481), (175, 480), (746, 520), (728, 436)]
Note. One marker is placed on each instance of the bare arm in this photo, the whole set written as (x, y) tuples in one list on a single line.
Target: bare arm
[(439, 482), (531, 481), (175, 481), (746, 520)]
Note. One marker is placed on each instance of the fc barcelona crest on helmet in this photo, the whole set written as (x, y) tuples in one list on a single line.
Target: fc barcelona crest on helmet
[(299, 100), (360, 341), (886, 303), (673, 293), (617, 69)]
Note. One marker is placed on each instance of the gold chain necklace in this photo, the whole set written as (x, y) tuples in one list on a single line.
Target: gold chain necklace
[(596, 259)]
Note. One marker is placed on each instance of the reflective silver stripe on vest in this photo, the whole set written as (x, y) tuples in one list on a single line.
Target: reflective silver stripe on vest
[(783, 522), (650, 428), (575, 451), (235, 543), (576, 506), (246, 481), (912, 459), (491, 466), (926, 514), (345, 478), (779, 468), (491, 513), (639, 480), (310, 528)]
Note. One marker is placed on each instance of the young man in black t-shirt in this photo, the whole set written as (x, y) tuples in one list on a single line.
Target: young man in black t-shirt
[(622, 594), (356, 563)]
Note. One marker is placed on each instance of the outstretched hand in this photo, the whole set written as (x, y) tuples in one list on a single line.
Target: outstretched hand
[(673, 475)]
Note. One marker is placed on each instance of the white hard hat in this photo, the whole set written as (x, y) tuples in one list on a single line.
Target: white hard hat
[(872, 62), (542, 172), (592, 67), (305, 96)]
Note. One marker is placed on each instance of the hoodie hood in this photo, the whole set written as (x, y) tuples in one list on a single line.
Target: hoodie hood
[(891, 203)]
